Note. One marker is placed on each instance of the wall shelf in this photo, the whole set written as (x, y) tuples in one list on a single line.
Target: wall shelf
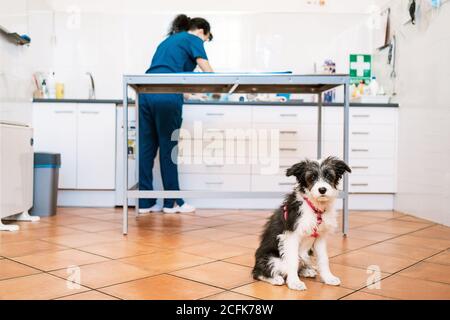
[(13, 37)]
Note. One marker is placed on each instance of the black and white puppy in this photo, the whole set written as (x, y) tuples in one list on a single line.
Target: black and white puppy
[(300, 225)]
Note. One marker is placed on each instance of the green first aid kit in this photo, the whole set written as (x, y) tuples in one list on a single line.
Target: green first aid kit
[(360, 68)]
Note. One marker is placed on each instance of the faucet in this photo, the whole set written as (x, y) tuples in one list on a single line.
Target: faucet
[(92, 87)]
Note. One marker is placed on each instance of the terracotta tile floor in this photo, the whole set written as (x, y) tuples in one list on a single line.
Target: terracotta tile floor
[(81, 254)]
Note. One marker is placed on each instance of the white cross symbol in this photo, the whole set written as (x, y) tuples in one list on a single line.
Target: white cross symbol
[(360, 66)]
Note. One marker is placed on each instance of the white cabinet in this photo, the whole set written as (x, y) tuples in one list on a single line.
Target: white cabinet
[(373, 136), (96, 146), (16, 170), (55, 130), (84, 135)]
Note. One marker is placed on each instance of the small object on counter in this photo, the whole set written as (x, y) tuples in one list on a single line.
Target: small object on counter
[(287, 96), (59, 90), (361, 86), (44, 89), (374, 87), (51, 85), (329, 67)]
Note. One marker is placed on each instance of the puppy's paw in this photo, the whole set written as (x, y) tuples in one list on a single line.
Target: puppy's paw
[(296, 284), (308, 272), (275, 280), (331, 280)]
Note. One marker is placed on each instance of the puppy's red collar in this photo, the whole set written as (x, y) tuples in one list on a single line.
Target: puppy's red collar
[(317, 211), (312, 206)]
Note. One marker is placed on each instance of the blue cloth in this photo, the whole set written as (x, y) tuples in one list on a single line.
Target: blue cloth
[(160, 115)]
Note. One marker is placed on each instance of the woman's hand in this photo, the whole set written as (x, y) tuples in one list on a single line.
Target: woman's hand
[(204, 65)]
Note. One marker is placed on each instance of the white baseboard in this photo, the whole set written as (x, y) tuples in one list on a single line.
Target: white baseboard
[(86, 198)]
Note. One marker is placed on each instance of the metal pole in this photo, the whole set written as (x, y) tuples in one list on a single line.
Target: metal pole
[(345, 210), (136, 151), (319, 125), (125, 157)]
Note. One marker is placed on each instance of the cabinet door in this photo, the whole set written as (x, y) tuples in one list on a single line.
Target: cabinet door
[(55, 130), (16, 169), (96, 146)]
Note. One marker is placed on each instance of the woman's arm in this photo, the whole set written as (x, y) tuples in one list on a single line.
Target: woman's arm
[(204, 65)]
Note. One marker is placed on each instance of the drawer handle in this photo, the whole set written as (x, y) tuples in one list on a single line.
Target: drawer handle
[(288, 132), (284, 167), (361, 116), (360, 167), (286, 183), (215, 130), (89, 112), (359, 184), (360, 150), (215, 114), (214, 183), (214, 165), (360, 132), (288, 149), (63, 111), (288, 115)]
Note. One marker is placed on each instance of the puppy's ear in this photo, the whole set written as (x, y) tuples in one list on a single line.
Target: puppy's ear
[(296, 169), (339, 166)]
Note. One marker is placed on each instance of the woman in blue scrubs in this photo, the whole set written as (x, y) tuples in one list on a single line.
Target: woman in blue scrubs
[(161, 114)]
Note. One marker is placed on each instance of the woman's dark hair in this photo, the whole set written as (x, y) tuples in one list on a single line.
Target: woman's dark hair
[(183, 23)]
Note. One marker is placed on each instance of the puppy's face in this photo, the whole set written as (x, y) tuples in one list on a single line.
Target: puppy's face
[(319, 180)]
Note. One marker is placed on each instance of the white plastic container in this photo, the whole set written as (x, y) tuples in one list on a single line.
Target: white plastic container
[(374, 87)]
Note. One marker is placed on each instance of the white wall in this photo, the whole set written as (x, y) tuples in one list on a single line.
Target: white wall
[(116, 37), (15, 67), (422, 87)]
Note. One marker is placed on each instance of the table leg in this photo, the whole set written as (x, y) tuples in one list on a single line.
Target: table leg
[(125, 158), (345, 209), (319, 125)]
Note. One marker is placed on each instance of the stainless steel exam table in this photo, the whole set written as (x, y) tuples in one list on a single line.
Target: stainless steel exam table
[(229, 83)]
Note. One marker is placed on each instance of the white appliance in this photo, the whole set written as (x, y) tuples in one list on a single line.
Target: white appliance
[(16, 170)]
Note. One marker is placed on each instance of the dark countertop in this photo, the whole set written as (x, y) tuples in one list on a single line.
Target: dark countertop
[(259, 103)]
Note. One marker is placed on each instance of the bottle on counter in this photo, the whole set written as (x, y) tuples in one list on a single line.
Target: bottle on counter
[(44, 89), (374, 87), (51, 85)]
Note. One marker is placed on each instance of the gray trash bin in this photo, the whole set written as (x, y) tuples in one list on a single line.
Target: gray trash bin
[(45, 189)]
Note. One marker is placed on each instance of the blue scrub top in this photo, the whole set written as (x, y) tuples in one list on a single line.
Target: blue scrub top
[(178, 53)]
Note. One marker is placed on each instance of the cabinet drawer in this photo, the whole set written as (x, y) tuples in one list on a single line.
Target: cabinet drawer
[(272, 183), (372, 166), (277, 114), (358, 150), (287, 131), (335, 115), (371, 184), (221, 131), (360, 132), (206, 182), (286, 149), (212, 114), (209, 166), (274, 167), (219, 148)]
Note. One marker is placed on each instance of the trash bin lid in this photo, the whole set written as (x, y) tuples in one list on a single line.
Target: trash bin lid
[(47, 160)]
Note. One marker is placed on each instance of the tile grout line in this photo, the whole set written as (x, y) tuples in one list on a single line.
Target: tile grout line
[(396, 273)]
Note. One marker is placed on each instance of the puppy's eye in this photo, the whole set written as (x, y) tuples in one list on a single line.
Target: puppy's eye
[(311, 177)]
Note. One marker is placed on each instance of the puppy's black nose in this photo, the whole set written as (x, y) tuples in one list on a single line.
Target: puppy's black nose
[(322, 190)]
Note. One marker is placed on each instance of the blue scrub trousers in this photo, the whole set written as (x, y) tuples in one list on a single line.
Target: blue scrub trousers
[(159, 116)]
